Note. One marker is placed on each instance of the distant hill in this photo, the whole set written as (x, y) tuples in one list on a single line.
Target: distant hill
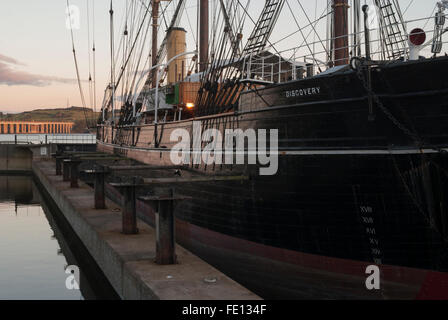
[(74, 114)]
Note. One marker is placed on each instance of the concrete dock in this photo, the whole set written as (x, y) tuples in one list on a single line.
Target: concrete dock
[(128, 260)]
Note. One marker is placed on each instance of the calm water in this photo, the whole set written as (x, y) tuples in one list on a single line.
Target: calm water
[(34, 252)]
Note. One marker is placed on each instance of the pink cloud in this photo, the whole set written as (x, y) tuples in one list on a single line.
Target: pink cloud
[(10, 76), (10, 60)]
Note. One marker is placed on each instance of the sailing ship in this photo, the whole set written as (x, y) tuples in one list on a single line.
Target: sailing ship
[(362, 118)]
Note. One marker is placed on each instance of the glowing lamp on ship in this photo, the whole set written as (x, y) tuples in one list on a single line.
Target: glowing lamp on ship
[(190, 106), (417, 38)]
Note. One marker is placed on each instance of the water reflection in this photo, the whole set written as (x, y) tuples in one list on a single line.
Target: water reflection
[(18, 189), (36, 246)]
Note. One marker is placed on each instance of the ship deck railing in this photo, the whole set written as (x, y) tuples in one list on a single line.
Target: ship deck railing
[(297, 63)]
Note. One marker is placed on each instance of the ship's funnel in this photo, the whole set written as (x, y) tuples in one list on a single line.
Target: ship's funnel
[(176, 45)]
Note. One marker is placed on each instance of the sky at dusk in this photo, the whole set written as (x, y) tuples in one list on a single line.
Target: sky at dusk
[(36, 61)]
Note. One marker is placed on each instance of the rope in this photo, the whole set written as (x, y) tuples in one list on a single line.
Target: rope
[(94, 60), (88, 53), (301, 32), (77, 67), (112, 66)]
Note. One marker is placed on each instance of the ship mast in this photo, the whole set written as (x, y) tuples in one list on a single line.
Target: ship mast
[(203, 34), (112, 61), (155, 30), (340, 27)]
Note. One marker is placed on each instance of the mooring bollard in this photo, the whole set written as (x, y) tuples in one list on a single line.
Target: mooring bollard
[(100, 173), (58, 158), (66, 170), (164, 205), (129, 211), (165, 239), (58, 163), (100, 190), (129, 214), (74, 172), (58, 166)]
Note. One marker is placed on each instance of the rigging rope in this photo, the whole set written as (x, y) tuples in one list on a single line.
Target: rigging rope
[(301, 32), (94, 60), (89, 57), (76, 65), (131, 50), (112, 71)]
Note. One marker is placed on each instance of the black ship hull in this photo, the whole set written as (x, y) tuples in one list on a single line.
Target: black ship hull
[(356, 186)]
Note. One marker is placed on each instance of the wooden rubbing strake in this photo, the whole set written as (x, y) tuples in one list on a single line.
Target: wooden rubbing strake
[(130, 168), (194, 179)]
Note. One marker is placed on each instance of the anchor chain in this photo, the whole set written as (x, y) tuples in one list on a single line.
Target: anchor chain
[(357, 65)]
